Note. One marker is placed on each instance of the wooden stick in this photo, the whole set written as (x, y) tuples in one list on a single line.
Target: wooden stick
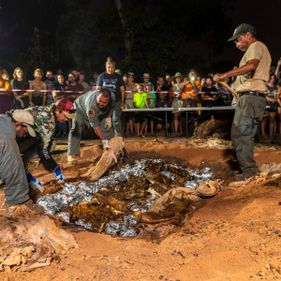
[(232, 91)]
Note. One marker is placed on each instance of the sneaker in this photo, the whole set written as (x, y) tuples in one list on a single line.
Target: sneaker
[(72, 159)]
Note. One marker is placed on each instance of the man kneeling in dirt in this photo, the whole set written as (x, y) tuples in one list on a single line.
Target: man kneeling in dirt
[(93, 109), (12, 171)]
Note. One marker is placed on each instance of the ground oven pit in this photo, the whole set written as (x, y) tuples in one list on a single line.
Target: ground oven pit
[(138, 197)]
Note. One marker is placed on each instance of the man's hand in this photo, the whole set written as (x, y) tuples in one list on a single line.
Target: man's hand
[(105, 144), (122, 107), (219, 76), (108, 123), (58, 174)]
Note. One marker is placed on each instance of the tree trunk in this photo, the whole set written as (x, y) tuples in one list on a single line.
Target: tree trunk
[(126, 31)]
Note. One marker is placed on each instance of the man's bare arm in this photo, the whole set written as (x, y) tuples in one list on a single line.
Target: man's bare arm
[(248, 67)]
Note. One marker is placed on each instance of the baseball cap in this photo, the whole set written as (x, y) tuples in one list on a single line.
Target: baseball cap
[(70, 114), (64, 104), (67, 108), (26, 119), (242, 29)]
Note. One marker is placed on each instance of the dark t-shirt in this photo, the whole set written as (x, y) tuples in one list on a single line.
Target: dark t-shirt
[(208, 89), (21, 85), (163, 103), (111, 82), (50, 84), (76, 90)]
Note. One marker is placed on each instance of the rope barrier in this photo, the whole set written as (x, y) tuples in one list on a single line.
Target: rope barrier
[(82, 92), (175, 92), (40, 91)]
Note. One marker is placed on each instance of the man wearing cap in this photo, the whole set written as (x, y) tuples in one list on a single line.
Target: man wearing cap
[(251, 77), (39, 142), (93, 109), (12, 171)]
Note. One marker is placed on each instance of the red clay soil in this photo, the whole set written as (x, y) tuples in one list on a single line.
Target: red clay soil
[(235, 235)]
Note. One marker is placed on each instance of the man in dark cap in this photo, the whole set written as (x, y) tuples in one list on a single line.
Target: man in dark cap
[(251, 77)]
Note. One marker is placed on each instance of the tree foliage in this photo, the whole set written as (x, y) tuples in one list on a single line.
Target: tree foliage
[(142, 35)]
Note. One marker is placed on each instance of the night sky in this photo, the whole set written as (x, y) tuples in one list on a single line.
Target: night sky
[(264, 15)]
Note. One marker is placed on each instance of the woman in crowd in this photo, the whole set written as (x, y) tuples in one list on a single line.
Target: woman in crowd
[(6, 97), (38, 96), (22, 98), (61, 110), (178, 86), (189, 94), (58, 93)]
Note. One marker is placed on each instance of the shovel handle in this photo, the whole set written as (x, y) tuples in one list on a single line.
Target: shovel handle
[(232, 91)]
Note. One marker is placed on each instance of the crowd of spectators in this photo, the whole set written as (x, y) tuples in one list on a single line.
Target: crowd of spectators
[(169, 91)]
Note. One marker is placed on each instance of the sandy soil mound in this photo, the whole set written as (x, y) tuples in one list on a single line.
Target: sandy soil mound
[(232, 236), (29, 240)]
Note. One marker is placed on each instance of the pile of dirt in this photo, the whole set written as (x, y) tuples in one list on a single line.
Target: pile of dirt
[(29, 240), (232, 236)]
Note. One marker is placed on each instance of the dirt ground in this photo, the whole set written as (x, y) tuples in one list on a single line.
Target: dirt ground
[(235, 235)]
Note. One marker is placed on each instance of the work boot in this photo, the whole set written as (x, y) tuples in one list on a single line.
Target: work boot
[(72, 159), (242, 178)]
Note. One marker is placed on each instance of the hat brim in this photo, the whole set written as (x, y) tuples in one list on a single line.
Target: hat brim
[(30, 130), (234, 37), (69, 115)]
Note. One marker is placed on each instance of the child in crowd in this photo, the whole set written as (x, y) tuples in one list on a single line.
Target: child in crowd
[(140, 101)]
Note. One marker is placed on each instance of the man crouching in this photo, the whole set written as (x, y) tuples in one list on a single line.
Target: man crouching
[(93, 109), (12, 171)]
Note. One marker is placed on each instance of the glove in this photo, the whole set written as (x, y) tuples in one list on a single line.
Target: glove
[(58, 174), (108, 123), (34, 183), (105, 144)]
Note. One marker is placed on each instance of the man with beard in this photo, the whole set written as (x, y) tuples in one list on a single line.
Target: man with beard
[(251, 77), (93, 109)]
